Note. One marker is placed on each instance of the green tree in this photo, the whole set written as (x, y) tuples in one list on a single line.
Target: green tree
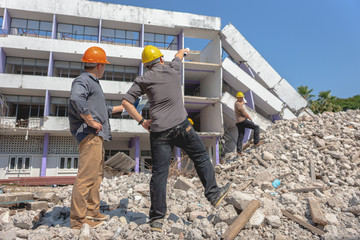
[(349, 103), (325, 103), (305, 92)]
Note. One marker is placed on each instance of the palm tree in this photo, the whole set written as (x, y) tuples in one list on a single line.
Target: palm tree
[(325, 103), (305, 92)]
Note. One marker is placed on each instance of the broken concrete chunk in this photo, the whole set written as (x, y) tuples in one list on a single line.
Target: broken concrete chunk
[(37, 205), (264, 176), (268, 156), (184, 184), (8, 198), (47, 196), (273, 220), (239, 199)]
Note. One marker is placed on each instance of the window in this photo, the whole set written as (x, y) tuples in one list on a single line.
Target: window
[(161, 41), (77, 33), (24, 107), (122, 37), (146, 113), (2, 32), (26, 66), (69, 163), (110, 153), (120, 73), (32, 28), (19, 163), (67, 69), (59, 106)]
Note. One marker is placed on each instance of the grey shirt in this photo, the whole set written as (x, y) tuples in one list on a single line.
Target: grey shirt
[(87, 97), (162, 85)]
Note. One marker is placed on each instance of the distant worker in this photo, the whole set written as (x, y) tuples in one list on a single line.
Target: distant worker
[(89, 124), (169, 127), (243, 120)]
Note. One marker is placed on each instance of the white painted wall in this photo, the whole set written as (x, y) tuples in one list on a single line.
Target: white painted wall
[(212, 52), (211, 85), (34, 170), (116, 12), (211, 118)]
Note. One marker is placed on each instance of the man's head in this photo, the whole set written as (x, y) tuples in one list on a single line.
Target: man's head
[(239, 96), (151, 55), (95, 60)]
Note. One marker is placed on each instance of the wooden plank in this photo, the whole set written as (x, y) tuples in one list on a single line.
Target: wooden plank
[(316, 214), (244, 185), (310, 189), (312, 170), (241, 220), (283, 176), (302, 223), (321, 148)]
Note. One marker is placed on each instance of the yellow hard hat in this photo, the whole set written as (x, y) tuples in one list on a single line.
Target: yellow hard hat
[(239, 94), (150, 53), (191, 121)]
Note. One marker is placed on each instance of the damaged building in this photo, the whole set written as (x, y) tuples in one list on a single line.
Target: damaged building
[(42, 42)]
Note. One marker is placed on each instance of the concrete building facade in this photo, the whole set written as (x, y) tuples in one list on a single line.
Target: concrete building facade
[(41, 44)]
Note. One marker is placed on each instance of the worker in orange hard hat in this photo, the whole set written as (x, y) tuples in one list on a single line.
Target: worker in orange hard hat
[(243, 120), (89, 124), (169, 127)]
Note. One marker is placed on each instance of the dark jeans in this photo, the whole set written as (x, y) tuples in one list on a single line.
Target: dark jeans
[(241, 130), (185, 137)]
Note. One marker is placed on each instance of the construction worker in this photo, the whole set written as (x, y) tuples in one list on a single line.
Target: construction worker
[(169, 127), (243, 120), (89, 124)]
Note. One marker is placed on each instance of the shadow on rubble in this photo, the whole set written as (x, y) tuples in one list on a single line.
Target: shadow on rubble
[(58, 216)]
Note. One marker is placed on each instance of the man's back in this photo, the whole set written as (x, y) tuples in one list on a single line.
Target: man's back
[(162, 85)]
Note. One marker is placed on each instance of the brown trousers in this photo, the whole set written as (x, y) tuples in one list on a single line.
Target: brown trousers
[(85, 200)]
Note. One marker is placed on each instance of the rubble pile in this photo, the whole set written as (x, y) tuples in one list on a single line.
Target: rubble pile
[(306, 177)]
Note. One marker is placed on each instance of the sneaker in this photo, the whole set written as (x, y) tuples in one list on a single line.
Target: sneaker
[(156, 225), (240, 154), (221, 194), (259, 143), (99, 217), (92, 224)]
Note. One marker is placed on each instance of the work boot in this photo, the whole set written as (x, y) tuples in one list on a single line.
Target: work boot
[(240, 154), (259, 143), (157, 225), (221, 194), (92, 224), (99, 217)]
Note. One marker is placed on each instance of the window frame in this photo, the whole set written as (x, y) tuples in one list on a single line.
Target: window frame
[(44, 69), (73, 36), (118, 40), (161, 44), (32, 32), (74, 159), (23, 163)]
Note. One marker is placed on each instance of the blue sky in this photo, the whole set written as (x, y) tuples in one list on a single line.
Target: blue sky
[(309, 42)]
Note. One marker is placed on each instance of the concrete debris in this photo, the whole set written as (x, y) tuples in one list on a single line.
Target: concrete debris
[(314, 158)]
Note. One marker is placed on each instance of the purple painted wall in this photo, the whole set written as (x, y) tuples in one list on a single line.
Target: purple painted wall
[(6, 21), (51, 64), (137, 153), (44, 157), (181, 40), (99, 30), (217, 150), (276, 117), (250, 103), (141, 36), (54, 27), (2, 60)]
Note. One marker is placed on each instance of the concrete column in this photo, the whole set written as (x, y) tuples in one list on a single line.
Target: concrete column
[(99, 32), (51, 64), (2, 60), (217, 153), (250, 103), (54, 28), (181, 40), (6, 21), (178, 156), (46, 137), (141, 36), (137, 153), (44, 157)]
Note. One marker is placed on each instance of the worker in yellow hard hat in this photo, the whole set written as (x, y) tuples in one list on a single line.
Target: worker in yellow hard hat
[(89, 125), (243, 120), (169, 127)]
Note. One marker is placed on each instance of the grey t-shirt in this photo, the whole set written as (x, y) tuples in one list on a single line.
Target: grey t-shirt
[(162, 85)]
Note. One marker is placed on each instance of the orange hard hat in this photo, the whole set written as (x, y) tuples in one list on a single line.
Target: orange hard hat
[(94, 55)]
